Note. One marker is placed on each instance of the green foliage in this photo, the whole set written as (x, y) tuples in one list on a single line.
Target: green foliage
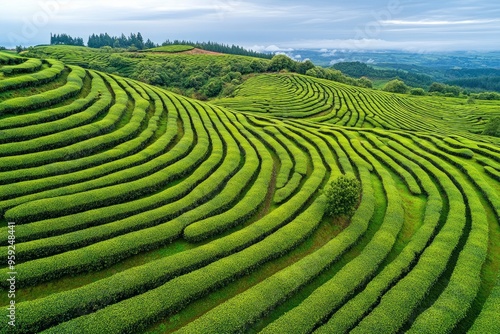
[(212, 88), (396, 86), (365, 82), (488, 82), (20, 48), (493, 127), (190, 74), (303, 67), (358, 70), (72, 87), (417, 91), (258, 66), (65, 39), (171, 48), (342, 196), (487, 96), (488, 322), (447, 90), (335, 75), (282, 63), (134, 41), (28, 66)]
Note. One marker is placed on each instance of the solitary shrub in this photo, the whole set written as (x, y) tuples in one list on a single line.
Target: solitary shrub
[(365, 82), (396, 86), (281, 62), (342, 195), (417, 91)]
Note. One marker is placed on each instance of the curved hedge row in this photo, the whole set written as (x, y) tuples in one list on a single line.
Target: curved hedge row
[(28, 66), (39, 78), (296, 96), (22, 104)]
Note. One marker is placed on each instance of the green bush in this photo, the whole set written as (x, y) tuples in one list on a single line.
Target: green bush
[(395, 86), (490, 311), (493, 128), (417, 91), (342, 195)]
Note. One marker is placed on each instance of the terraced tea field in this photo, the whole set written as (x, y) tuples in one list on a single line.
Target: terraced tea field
[(137, 210)]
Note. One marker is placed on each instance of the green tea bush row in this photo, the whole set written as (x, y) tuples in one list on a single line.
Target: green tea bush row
[(494, 173), (240, 312), (137, 312), (292, 185), (29, 66), (316, 308), (46, 99), (42, 313), (151, 155), (319, 143), (487, 321), (298, 156), (63, 137), (459, 152), (109, 161), (61, 127), (455, 301), (115, 114), (291, 96), (125, 218), (360, 305), (346, 153), (34, 79), (473, 174), (397, 305), (244, 209), (490, 148), (72, 178), (216, 181), (407, 177), (10, 59), (153, 177), (343, 160), (284, 156)]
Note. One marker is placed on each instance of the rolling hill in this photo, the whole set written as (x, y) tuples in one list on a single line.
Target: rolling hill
[(137, 210)]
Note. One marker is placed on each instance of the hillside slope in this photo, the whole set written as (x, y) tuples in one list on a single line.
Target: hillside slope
[(141, 211), (329, 102)]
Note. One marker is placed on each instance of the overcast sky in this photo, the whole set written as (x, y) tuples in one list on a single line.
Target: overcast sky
[(352, 24)]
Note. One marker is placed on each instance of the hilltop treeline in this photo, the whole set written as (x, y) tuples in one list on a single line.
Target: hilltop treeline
[(132, 41), (65, 39), (136, 42), (222, 48)]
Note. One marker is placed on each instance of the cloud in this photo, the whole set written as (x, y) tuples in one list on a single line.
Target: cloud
[(270, 48), (420, 46), (278, 26), (437, 23)]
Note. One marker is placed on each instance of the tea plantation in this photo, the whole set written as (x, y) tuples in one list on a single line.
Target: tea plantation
[(137, 210)]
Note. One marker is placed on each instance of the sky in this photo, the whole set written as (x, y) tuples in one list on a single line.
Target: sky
[(437, 25)]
